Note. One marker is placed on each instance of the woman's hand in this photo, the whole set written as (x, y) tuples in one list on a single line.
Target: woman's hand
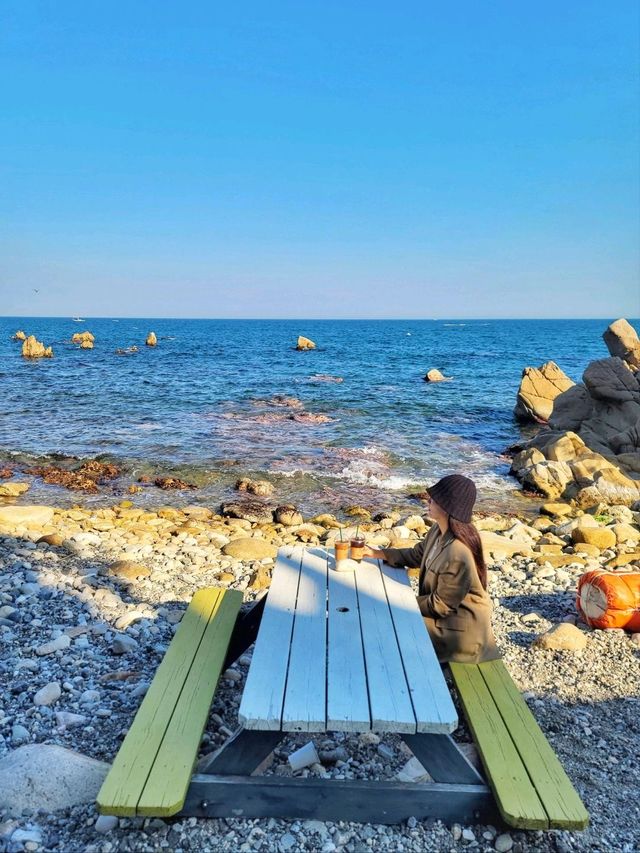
[(376, 553)]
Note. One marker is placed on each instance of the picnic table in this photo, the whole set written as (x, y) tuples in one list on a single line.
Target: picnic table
[(335, 652), (342, 652)]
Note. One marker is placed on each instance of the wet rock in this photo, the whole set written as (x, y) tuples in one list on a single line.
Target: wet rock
[(13, 490), (309, 418), (85, 478), (84, 339), (151, 340), (260, 488), (172, 483), (19, 336), (46, 777), (248, 510)]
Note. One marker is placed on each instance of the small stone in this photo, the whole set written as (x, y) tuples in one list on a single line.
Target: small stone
[(369, 739), (49, 694), (127, 570), (67, 720), (105, 823), (123, 645), (503, 843), (386, 752), (287, 842), (562, 637), (19, 735), (456, 832), (59, 644), (468, 835)]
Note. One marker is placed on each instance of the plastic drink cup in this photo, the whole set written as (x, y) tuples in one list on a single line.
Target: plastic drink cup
[(357, 549), (341, 550), (304, 756)]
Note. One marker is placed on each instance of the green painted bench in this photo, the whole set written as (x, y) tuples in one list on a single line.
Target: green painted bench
[(152, 770), (530, 785)]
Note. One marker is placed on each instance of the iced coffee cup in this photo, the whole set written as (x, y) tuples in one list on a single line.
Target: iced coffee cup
[(357, 548), (341, 550)]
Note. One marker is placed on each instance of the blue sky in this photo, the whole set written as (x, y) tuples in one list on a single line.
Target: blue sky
[(319, 160)]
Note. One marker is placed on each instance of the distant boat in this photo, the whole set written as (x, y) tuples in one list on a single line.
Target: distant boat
[(78, 320)]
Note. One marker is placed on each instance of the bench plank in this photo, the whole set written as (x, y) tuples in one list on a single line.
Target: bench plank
[(518, 801), (391, 707), (125, 782), (432, 703), (166, 788), (559, 798), (305, 701), (263, 695), (347, 694)]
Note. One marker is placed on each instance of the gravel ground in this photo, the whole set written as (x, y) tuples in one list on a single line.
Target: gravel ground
[(112, 634)]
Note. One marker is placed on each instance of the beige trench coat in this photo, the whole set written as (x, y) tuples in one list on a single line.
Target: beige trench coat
[(455, 606)]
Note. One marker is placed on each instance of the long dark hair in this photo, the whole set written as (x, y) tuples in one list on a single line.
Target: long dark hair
[(469, 536)]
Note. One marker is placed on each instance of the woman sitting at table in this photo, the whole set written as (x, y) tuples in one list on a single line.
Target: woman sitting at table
[(452, 589)]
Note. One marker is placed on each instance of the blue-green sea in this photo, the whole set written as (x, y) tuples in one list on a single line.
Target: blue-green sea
[(206, 404)]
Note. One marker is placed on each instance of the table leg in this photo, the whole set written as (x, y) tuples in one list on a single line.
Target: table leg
[(441, 758), (242, 754)]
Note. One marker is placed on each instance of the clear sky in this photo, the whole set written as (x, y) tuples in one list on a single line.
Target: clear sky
[(334, 159)]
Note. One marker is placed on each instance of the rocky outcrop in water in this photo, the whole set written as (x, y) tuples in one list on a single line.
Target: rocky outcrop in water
[(33, 348), (305, 343), (435, 376), (85, 339), (19, 336), (591, 449), (172, 484), (622, 341), (539, 387), (86, 478), (260, 488), (151, 340)]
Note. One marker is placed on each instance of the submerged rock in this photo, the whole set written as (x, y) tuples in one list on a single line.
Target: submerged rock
[(172, 483), (83, 479), (435, 376), (261, 488)]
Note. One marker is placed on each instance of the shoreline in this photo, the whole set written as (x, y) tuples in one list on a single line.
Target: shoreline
[(108, 585)]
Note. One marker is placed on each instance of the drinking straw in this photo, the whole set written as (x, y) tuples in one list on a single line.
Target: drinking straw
[(340, 531), (357, 528)]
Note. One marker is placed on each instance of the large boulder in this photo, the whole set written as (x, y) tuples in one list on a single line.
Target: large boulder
[(151, 340), (13, 489), (563, 637), (83, 338), (44, 777), (622, 341), (612, 380), (434, 375), (249, 510), (548, 478), (539, 387), (33, 348), (18, 516)]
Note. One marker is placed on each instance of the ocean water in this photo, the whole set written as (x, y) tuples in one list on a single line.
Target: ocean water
[(206, 405)]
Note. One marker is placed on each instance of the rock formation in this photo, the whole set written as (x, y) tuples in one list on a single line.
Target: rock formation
[(305, 343), (152, 340), (32, 348), (590, 451), (435, 376), (539, 387), (19, 336), (83, 338), (622, 341)]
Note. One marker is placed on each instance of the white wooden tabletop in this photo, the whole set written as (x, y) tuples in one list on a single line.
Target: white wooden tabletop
[(343, 651)]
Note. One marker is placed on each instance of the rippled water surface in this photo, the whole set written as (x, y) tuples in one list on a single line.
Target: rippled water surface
[(204, 403)]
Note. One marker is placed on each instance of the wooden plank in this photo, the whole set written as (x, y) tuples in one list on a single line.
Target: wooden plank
[(263, 695), (166, 787), (305, 700), (441, 758), (389, 696), (347, 695), (432, 703), (242, 754), (517, 799), (330, 799), (125, 782), (560, 799)]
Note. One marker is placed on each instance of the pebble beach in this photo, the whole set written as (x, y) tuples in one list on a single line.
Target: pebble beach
[(91, 597)]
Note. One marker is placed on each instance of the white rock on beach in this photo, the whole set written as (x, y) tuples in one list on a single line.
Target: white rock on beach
[(13, 516), (48, 777)]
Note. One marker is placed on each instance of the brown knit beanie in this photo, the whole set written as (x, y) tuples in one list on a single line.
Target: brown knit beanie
[(456, 495)]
